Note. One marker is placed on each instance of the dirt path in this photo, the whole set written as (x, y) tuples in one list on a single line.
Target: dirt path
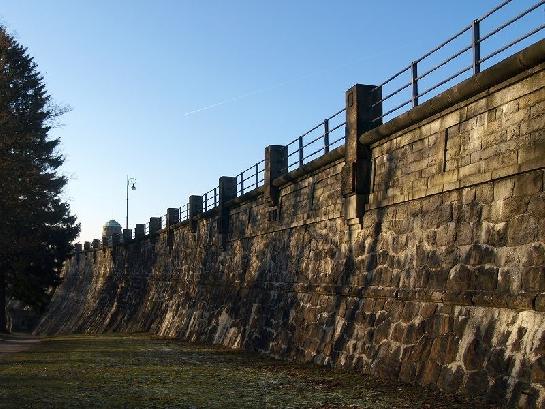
[(147, 372), (13, 343)]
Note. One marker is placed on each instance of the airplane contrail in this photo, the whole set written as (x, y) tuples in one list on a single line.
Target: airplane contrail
[(271, 87), (237, 98)]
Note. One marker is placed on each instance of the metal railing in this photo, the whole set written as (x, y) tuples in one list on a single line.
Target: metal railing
[(210, 199), (304, 149), (164, 221), (393, 107), (250, 178), (330, 133), (184, 212)]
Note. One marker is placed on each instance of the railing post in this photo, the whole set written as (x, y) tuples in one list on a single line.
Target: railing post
[(77, 250), (256, 175), (154, 225), (215, 197), (414, 71), (195, 209), (173, 216), (276, 164), (127, 235), (241, 183), (227, 189), (362, 107), (301, 151), (205, 202), (227, 192), (195, 206), (476, 45), (139, 231), (326, 136)]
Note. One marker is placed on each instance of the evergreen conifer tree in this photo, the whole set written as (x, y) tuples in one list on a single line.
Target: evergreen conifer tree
[(36, 227)]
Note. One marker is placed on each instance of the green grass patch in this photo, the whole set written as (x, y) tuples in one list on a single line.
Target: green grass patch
[(114, 371)]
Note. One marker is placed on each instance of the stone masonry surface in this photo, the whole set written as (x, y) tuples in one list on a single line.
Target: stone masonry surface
[(441, 282)]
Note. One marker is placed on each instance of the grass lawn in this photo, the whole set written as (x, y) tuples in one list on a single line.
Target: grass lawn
[(115, 371)]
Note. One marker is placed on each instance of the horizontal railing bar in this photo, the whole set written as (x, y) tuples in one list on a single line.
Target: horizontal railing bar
[(444, 43), (337, 127), (446, 80), (312, 130), (508, 23), (292, 142), (498, 7), (393, 110), (252, 176), (337, 140), (511, 44), (455, 36), (397, 91), (251, 167), (463, 50), (315, 127), (336, 113), (393, 77), (314, 140), (293, 153), (313, 153), (246, 170)]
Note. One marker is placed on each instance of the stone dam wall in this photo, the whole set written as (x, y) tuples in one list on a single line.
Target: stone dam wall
[(433, 272)]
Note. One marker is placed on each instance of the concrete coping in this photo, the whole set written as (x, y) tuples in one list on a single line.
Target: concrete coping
[(332, 156), (316, 164), (498, 73)]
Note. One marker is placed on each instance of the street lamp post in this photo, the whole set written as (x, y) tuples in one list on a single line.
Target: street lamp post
[(130, 182)]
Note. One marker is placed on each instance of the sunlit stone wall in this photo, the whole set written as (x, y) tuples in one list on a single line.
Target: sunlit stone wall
[(441, 282)]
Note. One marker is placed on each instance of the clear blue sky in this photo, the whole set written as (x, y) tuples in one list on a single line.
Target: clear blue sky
[(131, 70)]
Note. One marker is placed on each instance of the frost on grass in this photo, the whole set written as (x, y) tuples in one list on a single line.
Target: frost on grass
[(144, 371)]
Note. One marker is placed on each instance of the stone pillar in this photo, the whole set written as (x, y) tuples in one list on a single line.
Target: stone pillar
[(276, 164), (227, 191), (362, 108), (127, 235), (139, 231), (227, 188), (195, 206), (95, 244), (77, 250), (173, 216), (87, 246), (154, 225)]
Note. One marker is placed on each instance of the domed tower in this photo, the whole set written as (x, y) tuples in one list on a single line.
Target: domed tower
[(110, 228)]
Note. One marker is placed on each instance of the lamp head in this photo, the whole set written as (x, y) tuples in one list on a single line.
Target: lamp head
[(133, 187)]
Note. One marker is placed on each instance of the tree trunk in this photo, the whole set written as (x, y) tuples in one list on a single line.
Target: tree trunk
[(3, 317)]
